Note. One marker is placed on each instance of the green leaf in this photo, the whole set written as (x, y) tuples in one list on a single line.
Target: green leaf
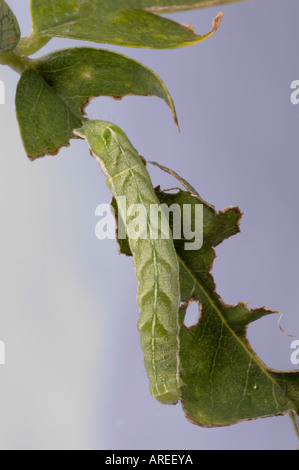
[(9, 28), (224, 380), (170, 6), (123, 23), (62, 84), (46, 121)]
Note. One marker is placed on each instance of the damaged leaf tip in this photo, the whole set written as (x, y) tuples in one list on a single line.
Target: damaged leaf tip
[(217, 20)]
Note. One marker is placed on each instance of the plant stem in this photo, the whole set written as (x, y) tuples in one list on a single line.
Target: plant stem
[(17, 61), (295, 420), (32, 44)]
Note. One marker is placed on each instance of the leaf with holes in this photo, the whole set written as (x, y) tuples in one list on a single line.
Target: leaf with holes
[(224, 380), (9, 28), (120, 22), (61, 84)]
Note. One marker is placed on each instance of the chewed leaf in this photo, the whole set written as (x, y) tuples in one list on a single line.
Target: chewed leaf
[(224, 380), (181, 180), (122, 23), (36, 105), (61, 85), (9, 28)]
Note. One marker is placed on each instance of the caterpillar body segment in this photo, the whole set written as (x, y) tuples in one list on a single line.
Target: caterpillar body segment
[(156, 264)]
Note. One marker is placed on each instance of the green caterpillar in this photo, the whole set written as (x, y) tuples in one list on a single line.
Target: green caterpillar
[(156, 264)]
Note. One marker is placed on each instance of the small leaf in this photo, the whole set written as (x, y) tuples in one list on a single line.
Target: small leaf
[(9, 28), (123, 23), (46, 121), (224, 380), (61, 85)]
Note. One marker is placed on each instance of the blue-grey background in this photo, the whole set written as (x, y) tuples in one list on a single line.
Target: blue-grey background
[(74, 377)]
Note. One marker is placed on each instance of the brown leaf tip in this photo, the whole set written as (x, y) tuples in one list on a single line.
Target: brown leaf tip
[(281, 328), (217, 20)]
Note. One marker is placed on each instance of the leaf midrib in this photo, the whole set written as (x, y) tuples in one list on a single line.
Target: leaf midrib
[(60, 97), (252, 355)]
